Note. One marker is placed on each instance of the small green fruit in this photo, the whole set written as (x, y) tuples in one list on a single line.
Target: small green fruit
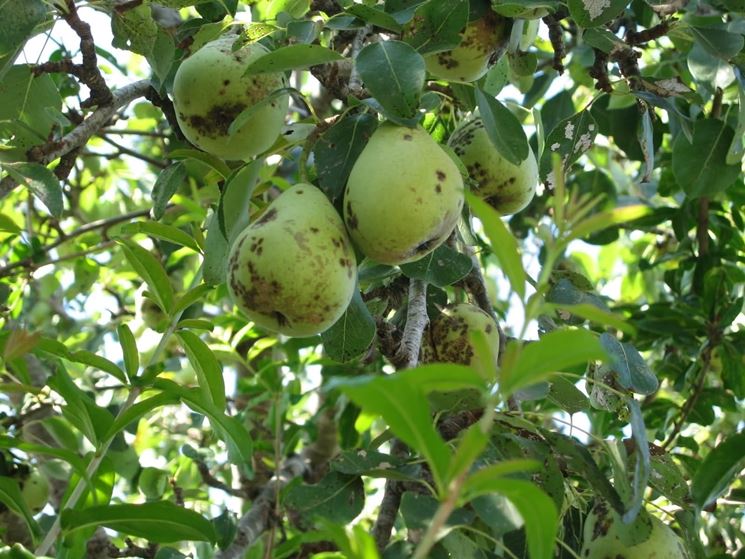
[(210, 91), (483, 41), (35, 491), (293, 270), (605, 535), (506, 187), (403, 197), (447, 339)]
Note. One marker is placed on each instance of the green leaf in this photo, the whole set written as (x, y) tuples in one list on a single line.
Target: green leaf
[(633, 371), (157, 522), (718, 470), (192, 296), (718, 42), (591, 13), (42, 182), (215, 253), (352, 334), (292, 57), (597, 315), (503, 128), (536, 508), (337, 498), (215, 163), (337, 149), (166, 185), (642, 464), (249, 112), (700, 167), (403, 406), (129, 350), (29, 110), (137, 411), (502, 242), (567, 396), (442, 267), (442, 377), (151, 270), (18, 22), (554, 352), (11, 497), (7, 225), (231, 430), (233, 210), (161, 231), (394, 73), (602, 39), (98, 362), (374, 16), (603, 220), (207, 367), (439, 25), (134, 30)]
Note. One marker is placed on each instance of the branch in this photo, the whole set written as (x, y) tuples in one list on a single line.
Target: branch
[(50, 151), (390, 504), (407, 355)]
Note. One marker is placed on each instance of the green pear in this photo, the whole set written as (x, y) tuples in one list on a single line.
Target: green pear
[(605, 535), (483, 41), (508, 188), (35, 491), (448, 337), (210, 91), (403, 197), (293, 270)]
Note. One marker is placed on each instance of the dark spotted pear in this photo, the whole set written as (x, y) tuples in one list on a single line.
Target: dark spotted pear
[(293, 270), (210, 91), (403, 197), (508, 188)]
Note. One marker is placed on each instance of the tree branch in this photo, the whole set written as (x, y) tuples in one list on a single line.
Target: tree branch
[(407, 355), (50, 151)]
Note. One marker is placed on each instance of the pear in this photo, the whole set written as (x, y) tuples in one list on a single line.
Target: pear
[(293, 270), (508, 188), (210, 91), (483, 40), (35, 491), (605, 535), (448, 337), (403, 197)]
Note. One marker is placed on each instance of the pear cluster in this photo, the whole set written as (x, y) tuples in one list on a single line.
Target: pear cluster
[(210, 90)]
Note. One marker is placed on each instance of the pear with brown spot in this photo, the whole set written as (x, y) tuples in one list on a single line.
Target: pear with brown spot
[(449, 338), (293, 270), (483, 41), (404, 195), (605, 535), (210, 91), (508, 188)]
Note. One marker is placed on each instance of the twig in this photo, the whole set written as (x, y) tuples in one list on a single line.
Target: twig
[(655, 32), (355, 82), (390, 504), (89, 73), (165, 105), (556, 36), (50, 151), (407, 355), (160, 164), (212, 481), (599, 71)]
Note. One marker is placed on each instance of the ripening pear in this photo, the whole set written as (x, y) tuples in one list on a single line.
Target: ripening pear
[(447, 339), (508, 188), (403, 197), (210, 91), (605, 535), (483, 40), (293, 270)]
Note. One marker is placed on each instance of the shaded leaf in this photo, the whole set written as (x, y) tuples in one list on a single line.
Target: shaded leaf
[(442, 267), (718, 470), (352, 334), (206, 366), (168, 181), (503, 128), (633, 371), (292, 57), (337, 497)]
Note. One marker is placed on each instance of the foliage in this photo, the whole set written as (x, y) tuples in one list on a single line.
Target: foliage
[(130, 380)]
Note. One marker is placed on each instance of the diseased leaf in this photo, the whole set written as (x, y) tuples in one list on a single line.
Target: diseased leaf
[(633, 371)]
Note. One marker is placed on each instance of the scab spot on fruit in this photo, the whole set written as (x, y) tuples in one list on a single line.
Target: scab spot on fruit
[(438, 189), (441, 176), (425, 246), (299, 191), (267, 217), (314, 230), (408, 137), (281, 319), (351, 218)]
